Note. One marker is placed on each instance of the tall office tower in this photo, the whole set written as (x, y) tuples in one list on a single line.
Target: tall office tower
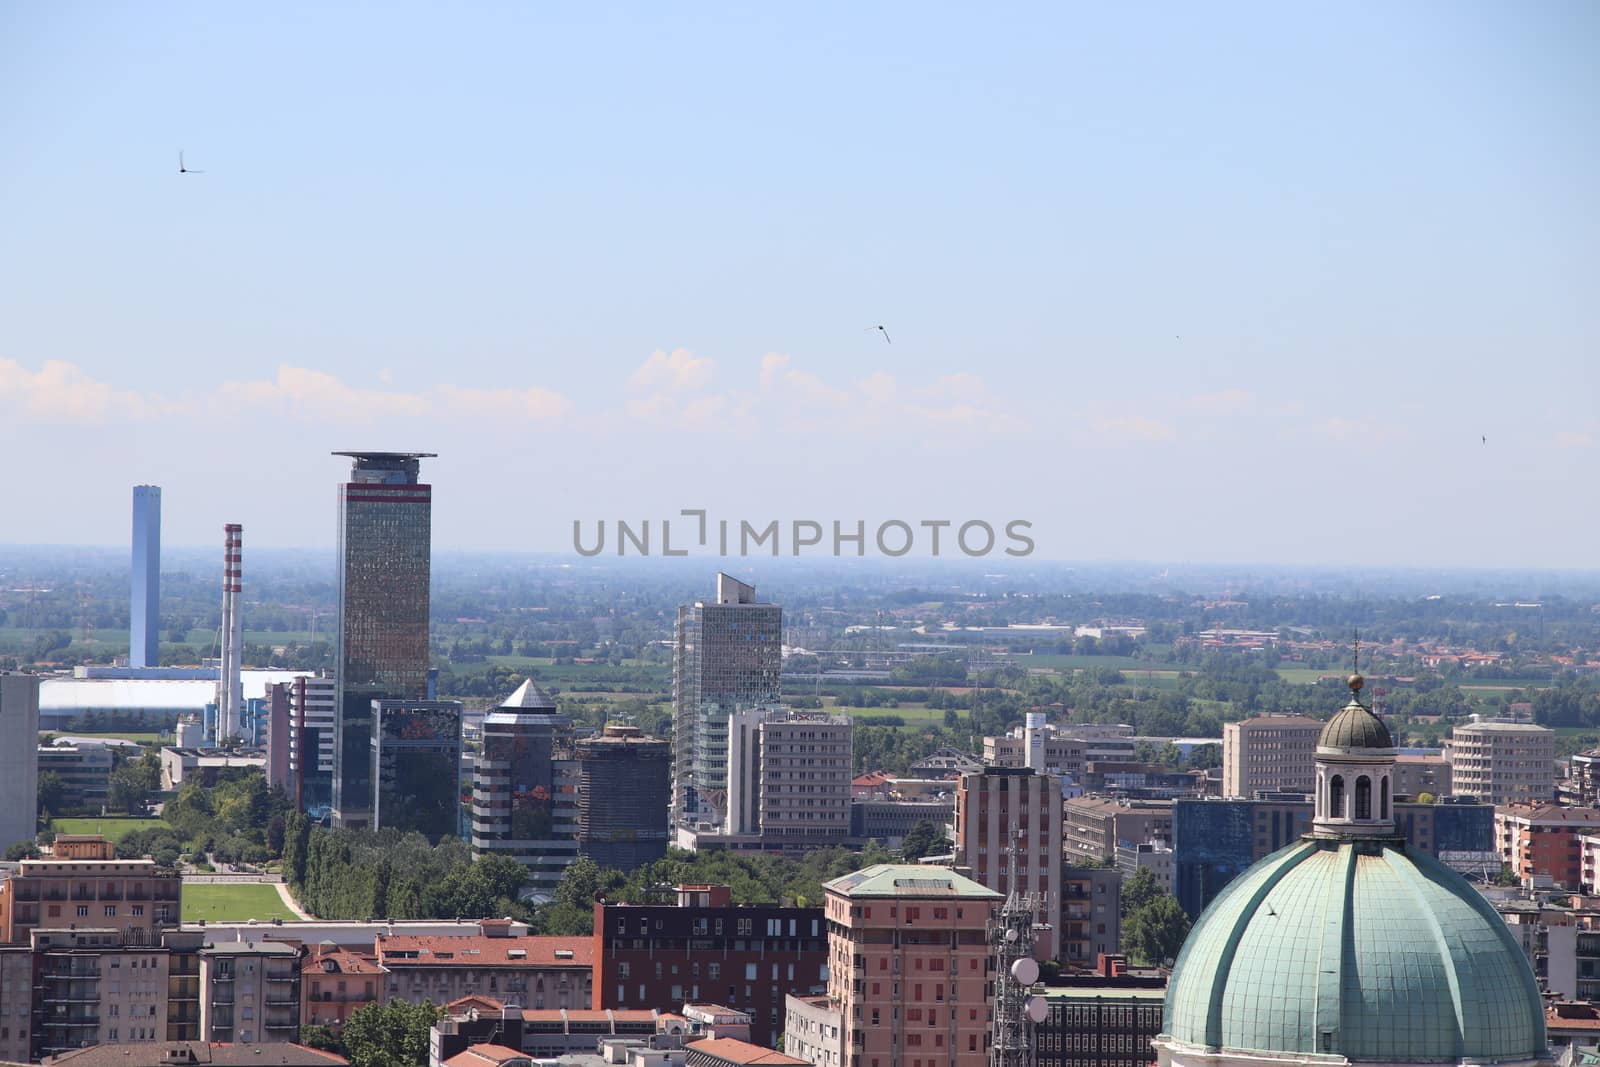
[(385, 537), (144, 617), (277, 704), (19, 757), (728, 656), (624, 789), (743, 807), (416, 766), (524, 788), (994, 806), (313, 716), (230, 691), (805, 775)]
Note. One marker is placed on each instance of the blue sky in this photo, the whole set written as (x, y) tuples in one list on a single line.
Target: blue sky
[(1222, 283)]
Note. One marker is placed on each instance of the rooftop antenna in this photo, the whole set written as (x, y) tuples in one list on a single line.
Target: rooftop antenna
[(1016, 1010)]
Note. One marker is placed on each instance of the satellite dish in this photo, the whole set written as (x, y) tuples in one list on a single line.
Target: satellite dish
[(1038, 1007), (1025, 970), (1011, 935)]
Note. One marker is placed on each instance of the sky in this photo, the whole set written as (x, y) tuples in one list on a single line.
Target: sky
[(1226, 282)]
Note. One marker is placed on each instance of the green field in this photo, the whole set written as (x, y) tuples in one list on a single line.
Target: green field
[(112, 827), (142, 737), (1074, 662), (913, 714), (217, 902)]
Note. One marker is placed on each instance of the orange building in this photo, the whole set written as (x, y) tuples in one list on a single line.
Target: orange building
[(335, 983), (83, 884), (1541, 842)]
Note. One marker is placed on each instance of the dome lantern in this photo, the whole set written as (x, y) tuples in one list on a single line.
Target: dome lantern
[(1355, 773)]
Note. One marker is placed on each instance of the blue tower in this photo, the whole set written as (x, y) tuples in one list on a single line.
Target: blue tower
[(144, 644)]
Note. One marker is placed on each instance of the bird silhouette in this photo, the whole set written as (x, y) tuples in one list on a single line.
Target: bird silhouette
[(185, 170), (1485, 438), (883, 331)]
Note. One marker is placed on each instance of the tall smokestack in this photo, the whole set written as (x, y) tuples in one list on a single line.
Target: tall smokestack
[(230, 692)]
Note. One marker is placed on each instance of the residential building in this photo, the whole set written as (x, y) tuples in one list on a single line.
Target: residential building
[(1584, 784), (704, 948), (1100, 1021), (525, 788), (1090, 923), (537, 972), (1214, 841), (199, 1054), (1065, 749), (908, 965), (731, 1052), (1093, 827), (488, 1056), (94, 988), (384, 565), (82, 885), (250, 992), (184, 993), (1004, 807), (1503, 762), (416, 766), (1153, 856), (144, 613), (1418, 774), (335, 983), (313, 723), (16, 1003), (1541, 843), (813, 1031), (624, 796), (805, 771), (19, 757), (727, 658), (84, 768), (1269, 753)]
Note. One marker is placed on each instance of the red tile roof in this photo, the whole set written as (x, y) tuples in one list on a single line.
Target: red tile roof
[(475, 950), (735, 1051), (485, 1056), (344, 961)]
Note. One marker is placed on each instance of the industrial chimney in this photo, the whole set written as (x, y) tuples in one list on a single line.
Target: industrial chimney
[(230, 691)]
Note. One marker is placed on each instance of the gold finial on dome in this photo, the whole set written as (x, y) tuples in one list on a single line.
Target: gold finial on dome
[(1355, 682)]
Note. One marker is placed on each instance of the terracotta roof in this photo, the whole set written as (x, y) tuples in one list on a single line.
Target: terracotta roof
[(429, 950), (344, 961), (178, 1053), (485, 1056), (473, 1000), (736, 1051)]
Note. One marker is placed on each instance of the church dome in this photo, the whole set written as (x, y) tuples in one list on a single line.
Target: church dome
[(1356, 948), (1355, 727)]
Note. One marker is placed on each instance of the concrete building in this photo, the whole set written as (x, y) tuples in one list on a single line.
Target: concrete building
[(83, 884), (731, 1052), (1155, 857), (416, 766), (888, 821), (743, 807), (277, 737), (704, 948), (1001, 807), (1093, 827), (1503, 762), (16, 1003), (624, 796), (1269, 753), (813, 1031), (805, 771), (1542, 843), (179, 765), (1100, 1021), (1415, 775), (384, 565), (1066, 749), (250, 992), (144, 613), (84, 768), (94, 988), (908, 965), (19, 757), (1090, 924), (313, 719), (525, 788), (536, 972), (727, 658), (199, 1054)]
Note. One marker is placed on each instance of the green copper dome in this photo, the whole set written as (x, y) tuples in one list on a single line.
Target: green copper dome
[(1355, 727), (1355, 948)]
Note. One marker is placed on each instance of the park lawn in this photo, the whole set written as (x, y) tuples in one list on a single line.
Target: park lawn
[(232, 901), (111, 827), (1063, 662), (143, 737), (1303, 675), (913, 715)]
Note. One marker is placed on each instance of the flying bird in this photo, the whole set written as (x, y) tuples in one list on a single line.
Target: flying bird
[(185, 170), (1485, 438), (881, 330)]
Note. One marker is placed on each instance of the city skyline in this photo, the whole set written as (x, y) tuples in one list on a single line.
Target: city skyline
[(1310, 304)]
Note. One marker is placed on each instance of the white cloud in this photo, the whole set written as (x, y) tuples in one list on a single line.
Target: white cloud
[(1226, 402), (63, 392), (1575, 439), (1131, 429), (674, 371)]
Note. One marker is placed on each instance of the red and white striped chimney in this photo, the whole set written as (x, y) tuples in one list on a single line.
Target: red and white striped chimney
[(230, 691)]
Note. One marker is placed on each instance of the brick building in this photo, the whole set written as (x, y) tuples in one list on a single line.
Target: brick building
[(538, 972), (997, 807), (1541, 842), (83, 884), (703, 948)]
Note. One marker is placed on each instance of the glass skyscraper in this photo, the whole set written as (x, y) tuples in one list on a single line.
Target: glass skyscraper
[(416, 766), (385, 538), (144, 617)]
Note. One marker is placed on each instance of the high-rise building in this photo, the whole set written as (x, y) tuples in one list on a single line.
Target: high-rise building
[(728, 655), (416, 766), (1503, 762), (19, 757), (909, 966), (805, 775), (385, 545), (144, 618), (1001, 807), (1269, 753), (525, 788), (313, 722), (743, 806), (624, 791)]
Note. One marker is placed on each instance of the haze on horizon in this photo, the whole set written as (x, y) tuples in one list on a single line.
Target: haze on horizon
[(1240, 283)]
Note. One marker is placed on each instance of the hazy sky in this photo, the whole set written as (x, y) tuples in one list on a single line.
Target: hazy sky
[(1241, 282)]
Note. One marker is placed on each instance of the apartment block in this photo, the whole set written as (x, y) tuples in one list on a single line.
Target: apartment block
[(1090, 924), (250, 992), (1093, 827), (84, 885), (999, 808), (1415, 775), (335, 983), (805, 779), (537, 972), (1269, 753), (1542, 843), (94, 988), (1503, 762)]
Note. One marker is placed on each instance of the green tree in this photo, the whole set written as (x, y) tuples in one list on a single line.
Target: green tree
[(52, 793), (23, 850), (1153, 934), (322, 1037), (1140, 890), (390, 1035), (925, 839)]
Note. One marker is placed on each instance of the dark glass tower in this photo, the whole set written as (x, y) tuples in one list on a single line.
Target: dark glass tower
[(385, 537), (416, 766)]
